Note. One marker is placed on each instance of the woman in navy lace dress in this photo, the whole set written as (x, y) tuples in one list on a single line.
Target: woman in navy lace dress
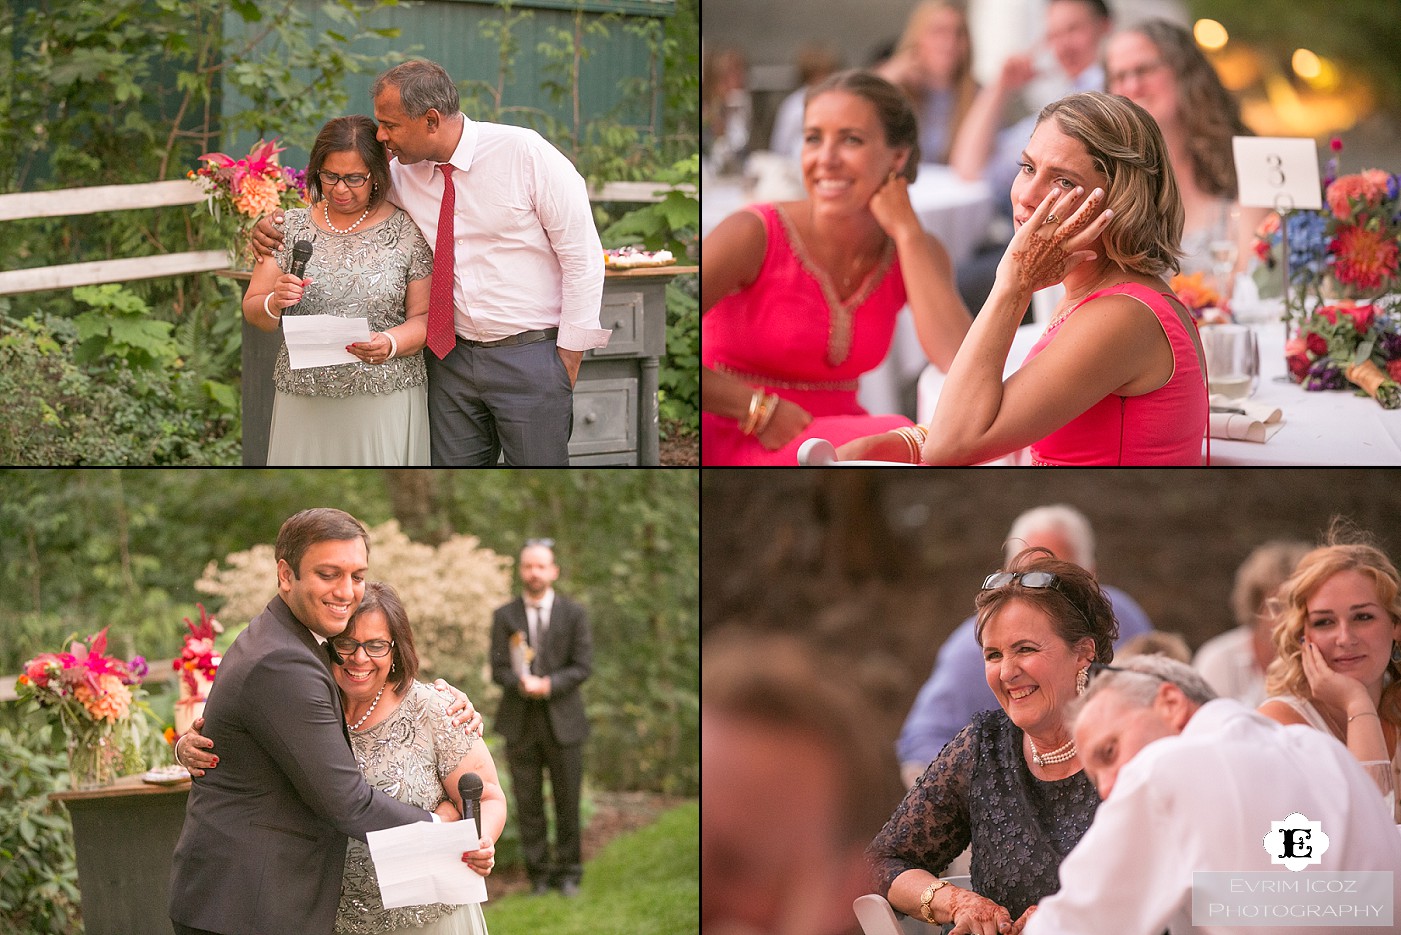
[(1010, 782)]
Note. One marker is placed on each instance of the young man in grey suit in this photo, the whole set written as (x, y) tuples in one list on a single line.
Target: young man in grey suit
[(263, 846), (542, 714)]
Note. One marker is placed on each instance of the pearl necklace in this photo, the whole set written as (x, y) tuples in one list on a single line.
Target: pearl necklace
[(356, 725), (326, 213), (1058, 755)]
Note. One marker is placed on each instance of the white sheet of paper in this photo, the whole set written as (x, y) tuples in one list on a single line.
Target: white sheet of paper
[(1277, 172), (320, 340), (422, 863)]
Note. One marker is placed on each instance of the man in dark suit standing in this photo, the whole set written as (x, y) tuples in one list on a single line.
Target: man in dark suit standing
[(542, 713), (262, 849)]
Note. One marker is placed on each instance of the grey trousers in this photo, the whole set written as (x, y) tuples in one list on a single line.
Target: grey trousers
[(483, 401)]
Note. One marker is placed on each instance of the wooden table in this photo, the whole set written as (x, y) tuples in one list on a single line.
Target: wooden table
[(125, 835)]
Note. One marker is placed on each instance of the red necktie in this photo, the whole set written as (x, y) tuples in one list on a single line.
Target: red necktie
[(442, 336)]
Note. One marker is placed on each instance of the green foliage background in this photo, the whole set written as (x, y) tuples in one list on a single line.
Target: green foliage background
[(84, 549), (133, 91)]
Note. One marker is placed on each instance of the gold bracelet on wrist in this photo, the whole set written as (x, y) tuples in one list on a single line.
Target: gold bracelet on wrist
[(746, 425), (926, 902), (766, 410)]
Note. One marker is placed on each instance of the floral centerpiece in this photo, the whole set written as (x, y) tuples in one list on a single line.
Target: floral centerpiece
[(93, 695), (243, 190), (1338, 344), (1342, 264), (197, 663)]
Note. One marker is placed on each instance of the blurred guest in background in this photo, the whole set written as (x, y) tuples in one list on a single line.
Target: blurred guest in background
[(816, 61), (1338, 654), (933, 64), (1193, 783), (1157, 65), (1234, 662), (727, 110), (799, 298), (794, 781), (1074, 31), (957, 689)]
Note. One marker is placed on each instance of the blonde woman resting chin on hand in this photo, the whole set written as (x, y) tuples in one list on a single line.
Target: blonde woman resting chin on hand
[(1118, 377)]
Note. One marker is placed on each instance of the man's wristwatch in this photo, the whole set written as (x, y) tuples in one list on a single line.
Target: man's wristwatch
[(926, 902)]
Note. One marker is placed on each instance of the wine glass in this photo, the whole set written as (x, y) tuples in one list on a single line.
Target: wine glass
[(1223, 250)]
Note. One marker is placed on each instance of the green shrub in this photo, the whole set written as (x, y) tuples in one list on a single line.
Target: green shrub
[(38, 872)]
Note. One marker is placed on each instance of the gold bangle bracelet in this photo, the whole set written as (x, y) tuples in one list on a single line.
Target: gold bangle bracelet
[(926, 902)]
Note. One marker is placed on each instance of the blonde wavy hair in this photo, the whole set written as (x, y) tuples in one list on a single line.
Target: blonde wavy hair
[(965, 88), (1126, 146), (1286, 673)]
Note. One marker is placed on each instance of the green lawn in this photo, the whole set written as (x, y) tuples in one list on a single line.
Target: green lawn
[(644, 883)]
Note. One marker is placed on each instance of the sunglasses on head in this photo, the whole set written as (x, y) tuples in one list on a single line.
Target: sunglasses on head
[(1031, 579)]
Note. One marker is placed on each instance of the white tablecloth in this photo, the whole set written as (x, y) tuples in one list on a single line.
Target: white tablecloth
[(1325, 428)]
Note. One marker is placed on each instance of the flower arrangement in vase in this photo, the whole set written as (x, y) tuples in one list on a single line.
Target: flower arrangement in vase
[(240, 191), (93, 695), (197, 663)]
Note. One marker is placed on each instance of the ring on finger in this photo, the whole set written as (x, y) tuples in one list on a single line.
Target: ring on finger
[(1051, 218)]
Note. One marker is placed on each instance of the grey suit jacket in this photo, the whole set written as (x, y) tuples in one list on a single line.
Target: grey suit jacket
[(566, 657), (263, 846)]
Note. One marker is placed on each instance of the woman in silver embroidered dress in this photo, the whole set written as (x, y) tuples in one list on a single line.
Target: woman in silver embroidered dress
[(407, 747), (368, 261)]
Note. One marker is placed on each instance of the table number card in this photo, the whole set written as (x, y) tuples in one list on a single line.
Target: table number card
[(1277, 172)]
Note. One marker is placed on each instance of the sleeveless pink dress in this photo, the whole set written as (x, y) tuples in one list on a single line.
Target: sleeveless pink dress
[(790, 333), (1164, 427)]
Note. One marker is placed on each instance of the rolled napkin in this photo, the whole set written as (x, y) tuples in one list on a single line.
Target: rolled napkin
[(1254, 422), (1258, 412), (1240, 428)]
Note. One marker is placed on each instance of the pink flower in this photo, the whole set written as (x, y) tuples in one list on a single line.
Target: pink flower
[(1365, 190), (44, 667)]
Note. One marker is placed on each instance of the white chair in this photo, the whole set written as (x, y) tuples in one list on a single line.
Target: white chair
[(877, 917)]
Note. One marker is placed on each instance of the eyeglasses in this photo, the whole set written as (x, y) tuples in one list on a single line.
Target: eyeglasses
[(375, 648), (547, 543), (1031, 579), (1117, 78), (330, 180)]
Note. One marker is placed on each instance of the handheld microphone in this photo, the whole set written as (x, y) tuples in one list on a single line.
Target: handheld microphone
[(301, 253), (469, 787)]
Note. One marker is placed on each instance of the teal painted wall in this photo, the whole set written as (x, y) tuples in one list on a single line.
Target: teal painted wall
[(450, 32)]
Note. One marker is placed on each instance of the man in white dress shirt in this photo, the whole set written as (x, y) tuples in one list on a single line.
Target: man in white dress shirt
[(1195, 784), (527, 282)]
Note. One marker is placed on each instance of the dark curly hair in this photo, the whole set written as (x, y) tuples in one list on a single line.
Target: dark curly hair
[(1076, 605)]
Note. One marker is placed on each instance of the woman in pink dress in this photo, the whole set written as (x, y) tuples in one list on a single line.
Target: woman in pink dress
[(799, 298), (1118, 377)]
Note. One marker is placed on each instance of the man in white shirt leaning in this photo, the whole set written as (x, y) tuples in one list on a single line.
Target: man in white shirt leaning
[(1194, 783)]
